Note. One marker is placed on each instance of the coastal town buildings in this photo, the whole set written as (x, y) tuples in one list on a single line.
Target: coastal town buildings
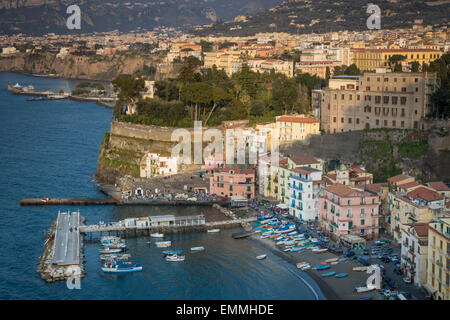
[(377, 100), (344, 210), (353, 175), (154, 164), (305, 184), (294, 128), (438, 277), (230, 182), (414, 252)]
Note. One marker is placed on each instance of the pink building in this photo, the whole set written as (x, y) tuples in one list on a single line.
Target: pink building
[(344, 210), (229, 182), (214, 161)]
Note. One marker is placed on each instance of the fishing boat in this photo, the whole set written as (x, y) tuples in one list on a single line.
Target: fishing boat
[(124, 256), (301, 264), (323, 267), (260, 257), (317, 250), (157, 235), (296, 249), (163, 244), (341, 275), (306, 267), (109, 239), (264, 236), (213, 230), (197, 248), (334, 263), (116, 245), (364, 289), (328, 274), (117, 266), (171, 252), (331, 260), (110, 250), (366, 298), (174, 258)]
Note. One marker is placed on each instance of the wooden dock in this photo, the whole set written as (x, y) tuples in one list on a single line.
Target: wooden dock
[(47, 201)]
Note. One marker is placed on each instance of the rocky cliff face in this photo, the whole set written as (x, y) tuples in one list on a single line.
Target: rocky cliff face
[(423, 154), (77, 67)]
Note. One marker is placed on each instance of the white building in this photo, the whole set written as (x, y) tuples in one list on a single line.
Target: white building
[(153, 164), (414, 252), (305, 184), (9, 50)]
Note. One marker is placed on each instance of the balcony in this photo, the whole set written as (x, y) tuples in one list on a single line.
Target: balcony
[(439, 263)]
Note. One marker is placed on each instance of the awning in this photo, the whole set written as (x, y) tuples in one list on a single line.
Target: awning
[(282, 206), (429, 289)]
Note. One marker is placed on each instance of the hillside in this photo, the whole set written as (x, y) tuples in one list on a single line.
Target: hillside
[(320, 16), (38, 17)]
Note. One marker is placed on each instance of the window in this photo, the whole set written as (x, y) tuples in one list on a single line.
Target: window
[(403, 89), (378, 122), (402, 124), (357, 120), (386, 99), (342, 96), (362, 222), (385, 123), (403, 100), (358, 97), (394, 100), (349, 120), (334, 119), (342, 120), (377, 99), (367, 88), (393, 123)]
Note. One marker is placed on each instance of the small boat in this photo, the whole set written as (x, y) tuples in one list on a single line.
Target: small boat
[(116, 245), (213, 230), (306, 267), (334, 263), (296, 249), (328, 274), (364, 289), (157, 235), (163, 244), (172, 252), (331, 260), (114, 266), (360, 268), (341, 275), (197, 248), (174, 258), (366, 298), (301, 264), (263, 256), (124, 256), (317, 250), (110, 250), (323, 267), (148, 242)]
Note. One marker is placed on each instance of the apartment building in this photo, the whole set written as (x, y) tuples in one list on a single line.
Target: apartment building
[(414, 252), (230, 182), (305, 184), (438, 279), (153, 164), (353, 175), (370, 59), (348, 211), (377, 100), (291, 128)]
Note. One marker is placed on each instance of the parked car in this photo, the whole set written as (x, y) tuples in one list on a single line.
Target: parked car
[(407, 280), (385, 259), (398, 271), (366, 252), (349, 254)]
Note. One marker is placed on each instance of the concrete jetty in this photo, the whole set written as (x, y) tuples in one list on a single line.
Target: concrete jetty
[(48, 201)]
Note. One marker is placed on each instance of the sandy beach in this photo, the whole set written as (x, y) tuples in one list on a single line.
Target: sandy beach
[(333, 288)]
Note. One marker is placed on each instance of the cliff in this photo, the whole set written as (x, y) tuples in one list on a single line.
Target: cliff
[(384, 152), (76, 67)]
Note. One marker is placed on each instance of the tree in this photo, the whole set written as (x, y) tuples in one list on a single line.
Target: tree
[(327, 75), (395, 62), (129, 91), (284, 94), (415, 66), (257, 108)]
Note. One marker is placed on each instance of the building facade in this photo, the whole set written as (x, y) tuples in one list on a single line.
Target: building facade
[(230, 182)]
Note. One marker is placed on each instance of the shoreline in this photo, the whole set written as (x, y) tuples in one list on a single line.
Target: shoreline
[(43, 75), (332, 288)]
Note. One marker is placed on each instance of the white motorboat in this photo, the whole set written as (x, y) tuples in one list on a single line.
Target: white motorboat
[(213, 230), (163, 244), (174, 258), (364, 289), (263, 256), (157, 235), (197, 248)]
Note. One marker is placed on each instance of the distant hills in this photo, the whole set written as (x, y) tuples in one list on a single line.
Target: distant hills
[(38, 17), (320, 16)]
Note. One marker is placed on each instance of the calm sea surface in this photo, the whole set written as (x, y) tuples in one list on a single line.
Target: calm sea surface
[(50, 148)]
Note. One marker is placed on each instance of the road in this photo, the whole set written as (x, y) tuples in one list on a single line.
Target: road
[(67, 239)]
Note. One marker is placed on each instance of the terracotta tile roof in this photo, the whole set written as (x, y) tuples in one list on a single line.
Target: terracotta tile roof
[(297, 119), (438, 186), (304, 160), (398, 178), (343, 190), (236, 170), (409, 185), (373, 187), (425, 194), (357, 169)]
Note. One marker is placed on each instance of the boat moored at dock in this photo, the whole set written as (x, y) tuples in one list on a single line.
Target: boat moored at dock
[(163, 244), (175, 258), (117, 266)]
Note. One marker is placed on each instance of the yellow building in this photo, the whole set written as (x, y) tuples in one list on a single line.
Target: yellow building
[(370, 59), (439, 259), (292, 128), (229, 61)]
